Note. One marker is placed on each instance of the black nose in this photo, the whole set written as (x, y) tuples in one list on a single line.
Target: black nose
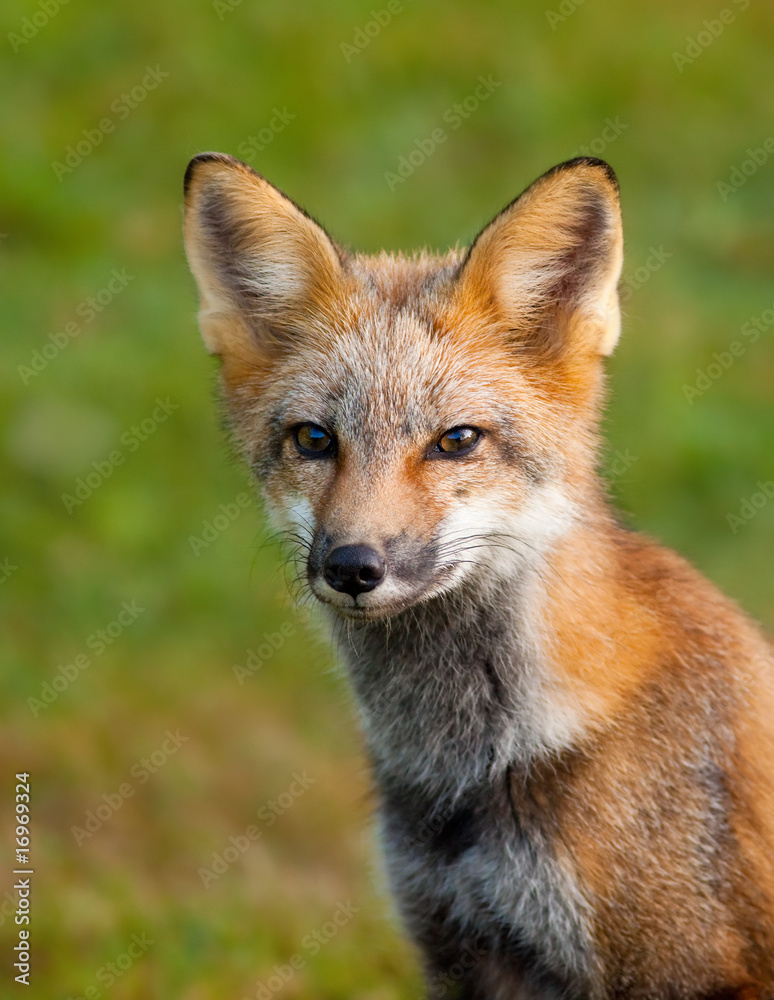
[(354, 569)]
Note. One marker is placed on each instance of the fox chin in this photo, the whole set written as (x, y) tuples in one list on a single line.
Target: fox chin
[(570, 730)]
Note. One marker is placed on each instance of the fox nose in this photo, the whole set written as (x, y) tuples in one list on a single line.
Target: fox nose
[(354, 569)]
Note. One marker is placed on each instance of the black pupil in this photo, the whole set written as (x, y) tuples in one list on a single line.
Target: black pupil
[(314, 438)]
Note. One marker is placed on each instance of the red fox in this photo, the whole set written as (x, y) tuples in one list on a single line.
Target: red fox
[(571, 731)]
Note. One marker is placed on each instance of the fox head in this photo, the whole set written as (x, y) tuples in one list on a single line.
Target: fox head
[(417, 423)]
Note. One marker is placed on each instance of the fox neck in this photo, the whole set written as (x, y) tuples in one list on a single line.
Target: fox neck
[(456, 690)]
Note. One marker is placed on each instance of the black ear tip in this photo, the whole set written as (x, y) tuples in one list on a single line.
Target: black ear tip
[(588, 161), (200, 158)]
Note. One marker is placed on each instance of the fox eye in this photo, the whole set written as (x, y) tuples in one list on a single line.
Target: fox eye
[(457, 440), (313, 441)]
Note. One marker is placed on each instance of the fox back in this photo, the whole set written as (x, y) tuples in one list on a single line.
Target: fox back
[(570, 729)]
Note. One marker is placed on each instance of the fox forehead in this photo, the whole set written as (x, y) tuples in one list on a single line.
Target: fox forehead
[(399, 361)]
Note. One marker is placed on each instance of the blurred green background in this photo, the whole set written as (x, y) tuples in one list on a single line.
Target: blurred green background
[(334, 115)]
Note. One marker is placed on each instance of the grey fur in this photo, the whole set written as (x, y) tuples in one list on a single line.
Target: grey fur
[(445, 692)]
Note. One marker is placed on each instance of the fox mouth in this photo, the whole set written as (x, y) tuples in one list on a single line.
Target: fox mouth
[(356, 611), (374, 604)]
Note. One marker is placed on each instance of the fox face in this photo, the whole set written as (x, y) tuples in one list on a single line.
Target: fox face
[(418, 424)]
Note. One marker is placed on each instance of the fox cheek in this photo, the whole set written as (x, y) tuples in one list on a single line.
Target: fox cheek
[(298, 488), (301, 515)]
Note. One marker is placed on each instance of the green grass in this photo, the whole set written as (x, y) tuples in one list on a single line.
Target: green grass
[(171, 668)]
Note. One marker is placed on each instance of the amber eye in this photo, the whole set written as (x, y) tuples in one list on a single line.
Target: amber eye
[(312, 441), (457, 440)]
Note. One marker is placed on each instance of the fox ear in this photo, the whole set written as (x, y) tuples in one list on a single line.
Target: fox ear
[(549, 264), (261, 264)]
